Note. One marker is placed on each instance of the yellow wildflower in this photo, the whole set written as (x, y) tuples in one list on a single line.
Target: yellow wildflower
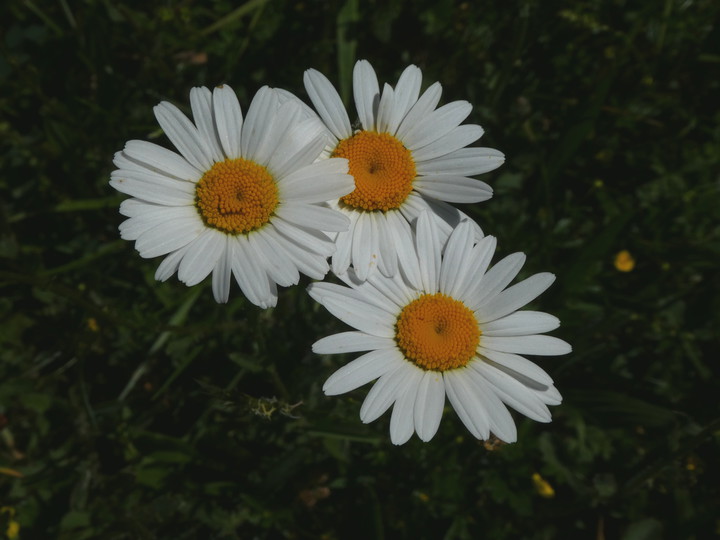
[(624, 262), (542, 486)]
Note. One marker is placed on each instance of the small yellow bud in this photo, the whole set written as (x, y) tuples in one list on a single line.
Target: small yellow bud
[(624, 262), (543, 488)]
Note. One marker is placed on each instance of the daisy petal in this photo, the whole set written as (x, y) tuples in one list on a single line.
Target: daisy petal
[(512, 363), (422, 107), (358, 314), (458, 138), (437, 124), (428, 250), (367, 93), (453, 269), (402, 424), (229, 120), (313, 216), (202, 110), (502, 424), (455, 189), (515, 297), (406, 94), (346, 342), (429, 404), (538, 345), (521, 323), (512, 392), (202, 257), (463, 162), (384, 392), (328, 104), (221, 275), (161, 160), (184, 135), (361, 371), (495, 279), (468, 407)]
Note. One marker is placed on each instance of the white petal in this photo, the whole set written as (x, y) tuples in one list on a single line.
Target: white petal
[(387, 260), (328, 104), (358, 314), (454, 189), (463, 397), (364, 293), (455, 259), (170, 264), (385, 109), (516, 366), (361, 371), (202, 257), (515, 297), (184, 135), (313, 216), (310, 263), (521, 323), (463, 162), (281, 123), (510, 391), (318, 182), (307, 239), (258, 121), (288, 159), (401, 237), (277, 263), (422, 107), (252, 279), (402, 424), (229, 120), (458, 138), (367, 93), (168, 236), (495, 280), (221, 275), (429, 405), (501, 422), (428, 250), (346, 342), (162, 160), (202, 110), (538, 345), (437, 124), (384, 392), (342, 256), (478, 262), (151, 216), (153, 188), (364, 246), (406, 94)]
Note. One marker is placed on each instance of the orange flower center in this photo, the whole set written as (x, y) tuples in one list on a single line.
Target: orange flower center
[(437, 332), (382, 167), (236, 196)]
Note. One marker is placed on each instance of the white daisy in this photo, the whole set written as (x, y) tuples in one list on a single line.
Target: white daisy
[(244, 196), (406, 157), (459, 335)]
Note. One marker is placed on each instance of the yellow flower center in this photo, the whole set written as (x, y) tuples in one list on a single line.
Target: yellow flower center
[(236, 196), (382, 167), (437, 332)]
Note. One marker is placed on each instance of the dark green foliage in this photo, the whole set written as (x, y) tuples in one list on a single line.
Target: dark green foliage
[(133, 409)]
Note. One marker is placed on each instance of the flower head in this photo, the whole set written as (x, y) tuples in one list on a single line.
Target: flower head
[(243, 197), (457, 334), (406, 157)]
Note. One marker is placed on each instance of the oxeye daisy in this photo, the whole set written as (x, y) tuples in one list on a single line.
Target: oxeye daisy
[(406, 157), (459, 335), (244, 196)]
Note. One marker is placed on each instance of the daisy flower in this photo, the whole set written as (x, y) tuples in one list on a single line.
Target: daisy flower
[(244, 197), (406, 157), (459, 335)]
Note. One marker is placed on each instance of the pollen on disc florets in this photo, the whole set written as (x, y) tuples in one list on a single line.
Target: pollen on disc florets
[(437, 332), (236, 196), (382, 167)]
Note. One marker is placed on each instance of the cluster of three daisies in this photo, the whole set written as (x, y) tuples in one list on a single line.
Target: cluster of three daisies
[(277, 192)]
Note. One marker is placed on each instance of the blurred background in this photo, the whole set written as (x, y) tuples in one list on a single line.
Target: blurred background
[(135, 409)]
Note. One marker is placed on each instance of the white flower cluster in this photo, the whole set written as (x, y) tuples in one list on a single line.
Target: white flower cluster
[(265, 196)]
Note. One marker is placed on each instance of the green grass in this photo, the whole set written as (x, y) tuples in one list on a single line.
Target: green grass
[(135, 409)]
